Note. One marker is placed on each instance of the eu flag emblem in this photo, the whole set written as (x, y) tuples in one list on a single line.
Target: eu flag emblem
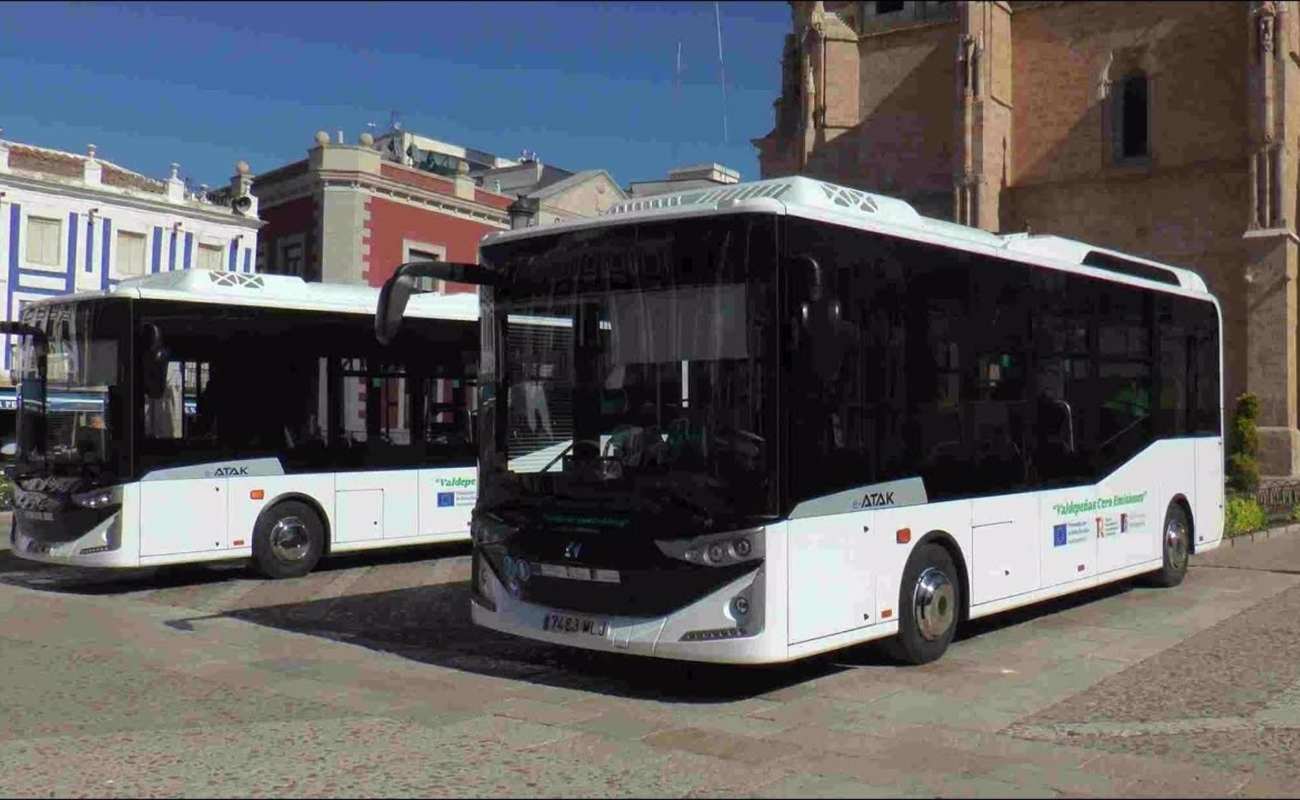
[(1058, 535)]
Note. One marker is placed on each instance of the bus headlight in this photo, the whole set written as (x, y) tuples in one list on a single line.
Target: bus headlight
[(108, 538), (716, 550), (97, 498), (481, 580)]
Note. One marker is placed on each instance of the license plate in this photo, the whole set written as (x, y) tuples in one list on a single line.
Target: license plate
[(563, 623)]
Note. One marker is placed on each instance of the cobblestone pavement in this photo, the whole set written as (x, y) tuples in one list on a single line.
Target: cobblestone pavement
[(366, 678)]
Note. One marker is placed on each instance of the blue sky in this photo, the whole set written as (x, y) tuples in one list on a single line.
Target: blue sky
[(584, 85)]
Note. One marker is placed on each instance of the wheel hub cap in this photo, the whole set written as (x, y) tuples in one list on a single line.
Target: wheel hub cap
[(289, 539), (1176, 544), (934, 604)]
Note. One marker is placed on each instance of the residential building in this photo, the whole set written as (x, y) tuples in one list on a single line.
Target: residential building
[(698, 176), (352, 213), (71, 222), (1165, 129)]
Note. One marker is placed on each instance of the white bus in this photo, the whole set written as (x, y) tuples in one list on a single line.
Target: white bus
[(756, 423), (201, 416)]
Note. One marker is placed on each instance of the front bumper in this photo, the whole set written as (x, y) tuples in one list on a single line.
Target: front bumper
[(646, 636), (101, 546)]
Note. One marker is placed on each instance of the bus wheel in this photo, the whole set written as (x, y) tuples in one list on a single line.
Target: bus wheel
[(1176, 546), (288, 540), (928, 606)]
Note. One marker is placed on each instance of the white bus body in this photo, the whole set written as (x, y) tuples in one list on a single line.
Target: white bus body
[(903, 424), (163, 485)]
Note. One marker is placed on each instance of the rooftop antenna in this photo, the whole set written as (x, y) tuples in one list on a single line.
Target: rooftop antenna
[(722, 70), (677, 92), (395, 120)]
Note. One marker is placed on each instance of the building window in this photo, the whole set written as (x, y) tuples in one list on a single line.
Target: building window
[(210, 257), (130, 253), (291, 258), (888, 7), (431, 253), (43, 241), (1132, 118)]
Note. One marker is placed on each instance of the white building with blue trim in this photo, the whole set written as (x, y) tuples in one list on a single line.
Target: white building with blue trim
[(73, 223)]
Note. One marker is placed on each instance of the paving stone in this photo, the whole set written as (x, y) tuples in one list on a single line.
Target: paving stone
[(226, 686), (813, 785), (720, 744)]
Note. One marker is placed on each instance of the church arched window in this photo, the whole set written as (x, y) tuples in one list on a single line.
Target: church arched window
[(1132, 116)]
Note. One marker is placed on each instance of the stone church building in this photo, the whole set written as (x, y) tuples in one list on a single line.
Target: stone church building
[(1165, 129)]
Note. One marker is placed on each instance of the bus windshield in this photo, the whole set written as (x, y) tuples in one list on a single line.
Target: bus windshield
[(64, 424), (633, 368)]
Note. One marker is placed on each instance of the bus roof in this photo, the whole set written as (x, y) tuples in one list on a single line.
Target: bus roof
[(815, 199), (277, 291)]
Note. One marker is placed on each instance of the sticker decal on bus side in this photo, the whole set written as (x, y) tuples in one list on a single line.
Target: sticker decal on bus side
[(457, 491), (253, 467), (1081, 530), (890, 494)]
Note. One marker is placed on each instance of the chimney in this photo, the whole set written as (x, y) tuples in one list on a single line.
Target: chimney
[(92, 170), (464, 183)]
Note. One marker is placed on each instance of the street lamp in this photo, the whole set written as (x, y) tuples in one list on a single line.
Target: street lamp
[(523, 212)]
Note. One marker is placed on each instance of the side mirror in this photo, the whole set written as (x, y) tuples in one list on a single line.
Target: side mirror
[(398, 289)]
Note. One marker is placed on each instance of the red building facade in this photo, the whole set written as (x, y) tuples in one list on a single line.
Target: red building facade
[(345, 214)]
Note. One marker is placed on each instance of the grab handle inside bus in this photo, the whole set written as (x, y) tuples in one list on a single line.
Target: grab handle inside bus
[(153, 360), (22, 329), (397, 290)]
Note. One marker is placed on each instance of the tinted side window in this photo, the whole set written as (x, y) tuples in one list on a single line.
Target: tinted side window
[(980, 375), (311, 389)]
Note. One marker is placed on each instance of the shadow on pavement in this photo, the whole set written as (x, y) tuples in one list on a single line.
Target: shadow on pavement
[(431, 625), (79, 580)]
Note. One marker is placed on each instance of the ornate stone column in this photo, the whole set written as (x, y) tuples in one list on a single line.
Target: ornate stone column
[(1270, 242), (983, 111)]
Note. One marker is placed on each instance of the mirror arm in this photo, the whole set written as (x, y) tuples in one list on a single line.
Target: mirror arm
[(397, 290)]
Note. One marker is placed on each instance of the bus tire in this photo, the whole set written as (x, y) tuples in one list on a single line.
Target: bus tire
[(1175, 547), (929, 605), (288, 540)]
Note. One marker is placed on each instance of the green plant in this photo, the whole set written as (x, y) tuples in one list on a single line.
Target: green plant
[(1295, 513), (1243, 515), (6, 494), (1243, 445)]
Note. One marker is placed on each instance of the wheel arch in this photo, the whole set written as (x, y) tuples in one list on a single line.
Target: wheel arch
[(307, 500), (1180, 500)]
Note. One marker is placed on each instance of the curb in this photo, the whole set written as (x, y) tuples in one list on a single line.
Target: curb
[(1261, 535)]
